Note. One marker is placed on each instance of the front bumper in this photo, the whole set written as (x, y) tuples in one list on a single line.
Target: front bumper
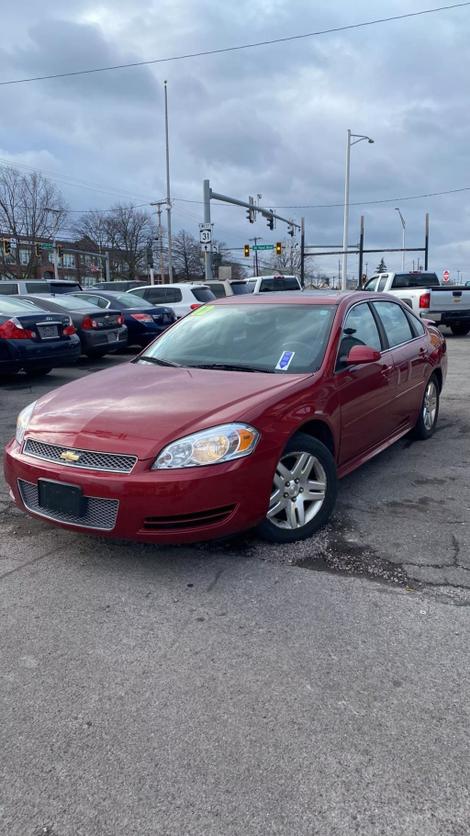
[(179, 506)]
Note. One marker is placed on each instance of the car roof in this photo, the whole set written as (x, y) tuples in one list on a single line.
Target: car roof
[(172, 284), (315, 297)]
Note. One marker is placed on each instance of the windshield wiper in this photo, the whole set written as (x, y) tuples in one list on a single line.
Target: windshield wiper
[(230, 367), (157, 361)]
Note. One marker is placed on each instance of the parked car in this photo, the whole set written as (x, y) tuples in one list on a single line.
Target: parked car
[(243, 414), (220, 287), (182, 297), (273, 284), (143, 320), (443, 304), (34, 340), (15, 287), (101, 332), (119, 285)]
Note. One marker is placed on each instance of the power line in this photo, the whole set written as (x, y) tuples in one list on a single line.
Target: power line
[(356, 203), (237, 48)]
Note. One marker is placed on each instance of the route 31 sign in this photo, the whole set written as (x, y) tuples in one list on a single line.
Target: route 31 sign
[(205, 236)]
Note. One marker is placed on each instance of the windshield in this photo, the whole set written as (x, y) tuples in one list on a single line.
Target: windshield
[(262, 337), (239, 288)]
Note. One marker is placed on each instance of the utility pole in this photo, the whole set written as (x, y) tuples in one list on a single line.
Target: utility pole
[(207, 220), (256, 239), (403, 224), (168, 194), (159, 204), (55, 212), (302, 252)]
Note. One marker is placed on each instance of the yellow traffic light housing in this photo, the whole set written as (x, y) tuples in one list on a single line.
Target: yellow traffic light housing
[(246, 250), (6, 246), (278, 248)]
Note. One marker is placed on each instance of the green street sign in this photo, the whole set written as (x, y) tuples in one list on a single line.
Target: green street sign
[(46, 246), (263, 247)]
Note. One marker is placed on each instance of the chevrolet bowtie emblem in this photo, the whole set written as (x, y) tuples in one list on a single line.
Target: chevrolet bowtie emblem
[(70, 456)]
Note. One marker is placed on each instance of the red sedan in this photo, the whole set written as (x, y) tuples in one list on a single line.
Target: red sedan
[(243, 414)]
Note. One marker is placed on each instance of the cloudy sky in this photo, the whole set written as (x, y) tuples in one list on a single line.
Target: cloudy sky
[(271, 120)]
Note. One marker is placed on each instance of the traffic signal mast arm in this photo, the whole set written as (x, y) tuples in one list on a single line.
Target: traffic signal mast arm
[(266, 213)]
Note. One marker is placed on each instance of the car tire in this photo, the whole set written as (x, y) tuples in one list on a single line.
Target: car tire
[(95, 355), (40, 372), (292, 514), (460, 330), (429, 411)]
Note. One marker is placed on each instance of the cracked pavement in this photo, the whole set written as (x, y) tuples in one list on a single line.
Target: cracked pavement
[(227, 688)]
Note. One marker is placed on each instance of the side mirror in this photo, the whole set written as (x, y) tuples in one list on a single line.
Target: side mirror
[(361, 354)]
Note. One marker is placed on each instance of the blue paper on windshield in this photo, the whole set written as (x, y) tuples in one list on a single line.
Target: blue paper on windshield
[(285, 360)]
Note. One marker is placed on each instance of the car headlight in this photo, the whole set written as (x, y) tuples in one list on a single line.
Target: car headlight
[(23, 420), (219, 444)]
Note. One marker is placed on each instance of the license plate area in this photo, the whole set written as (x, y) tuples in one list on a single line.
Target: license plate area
[(61, 498), (48, 332)]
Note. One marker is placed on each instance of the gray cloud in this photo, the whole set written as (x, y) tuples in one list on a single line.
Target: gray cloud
[(271, 120)]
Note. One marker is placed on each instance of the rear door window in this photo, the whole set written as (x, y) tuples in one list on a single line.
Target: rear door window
[(401, 280), (395, 322), (202, 294), (163, 295), (8, 288)]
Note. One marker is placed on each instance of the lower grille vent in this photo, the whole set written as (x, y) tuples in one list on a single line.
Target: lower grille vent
[(181, 522)]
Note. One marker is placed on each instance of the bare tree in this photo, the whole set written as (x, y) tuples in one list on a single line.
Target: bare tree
[(289, 260), (32, 210), (187, 257), (124, 231)]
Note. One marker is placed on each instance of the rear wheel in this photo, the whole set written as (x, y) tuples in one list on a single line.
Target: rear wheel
[(460, 329), (429, 412), (95, 355), (40, 372), (304, 491)]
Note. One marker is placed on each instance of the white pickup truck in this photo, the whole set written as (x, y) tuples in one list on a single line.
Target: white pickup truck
[(444, 305), (270, 284)]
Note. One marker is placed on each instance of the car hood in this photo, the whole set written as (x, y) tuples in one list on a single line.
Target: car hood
[(138, 408)]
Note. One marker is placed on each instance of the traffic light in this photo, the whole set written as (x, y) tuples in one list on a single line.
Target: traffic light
[(270, 221), (278, 248), (38, 250), (250, 213), (6, 246), (246, 250), (60, 252), (291, 230)]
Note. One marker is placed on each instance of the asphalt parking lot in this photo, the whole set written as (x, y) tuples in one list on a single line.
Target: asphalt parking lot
[(319, 688)]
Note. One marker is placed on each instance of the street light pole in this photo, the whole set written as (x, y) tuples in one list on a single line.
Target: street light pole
[(403, 224), (256, 239), (168, 196), (352, 139), (55, 212)]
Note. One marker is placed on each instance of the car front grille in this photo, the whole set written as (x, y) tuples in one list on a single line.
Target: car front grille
[(100, 513), (87, 459)]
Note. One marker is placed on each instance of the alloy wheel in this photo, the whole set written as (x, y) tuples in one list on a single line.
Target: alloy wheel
[(299, 490), (430, 405)]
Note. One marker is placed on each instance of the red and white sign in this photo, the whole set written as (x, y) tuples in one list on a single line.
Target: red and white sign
[(445, 276)]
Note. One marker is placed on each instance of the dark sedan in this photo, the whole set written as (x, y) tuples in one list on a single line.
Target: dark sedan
[(33, 339), (144, 321), (101, 332)]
